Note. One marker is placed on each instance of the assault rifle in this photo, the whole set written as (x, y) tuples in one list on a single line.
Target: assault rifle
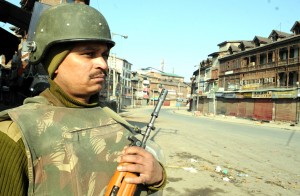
[(117, 185)]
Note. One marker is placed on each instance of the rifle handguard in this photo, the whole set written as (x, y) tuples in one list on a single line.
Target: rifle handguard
[(118, 186)]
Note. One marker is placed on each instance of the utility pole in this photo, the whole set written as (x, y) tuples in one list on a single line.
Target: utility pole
[(198, 86), (191, 99), (114, 74), (115, 79), (214, 98), (132, 99)]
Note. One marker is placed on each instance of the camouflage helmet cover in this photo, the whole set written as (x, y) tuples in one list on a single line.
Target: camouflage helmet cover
[(69, 22)]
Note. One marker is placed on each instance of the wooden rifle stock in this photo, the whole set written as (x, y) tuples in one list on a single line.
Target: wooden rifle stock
[(117, 185)]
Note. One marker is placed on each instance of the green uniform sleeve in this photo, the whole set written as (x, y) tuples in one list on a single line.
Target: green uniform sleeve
[(13, 166), (162, 184)]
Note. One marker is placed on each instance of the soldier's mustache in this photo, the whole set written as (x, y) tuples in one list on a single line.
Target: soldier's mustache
[(101, 72)]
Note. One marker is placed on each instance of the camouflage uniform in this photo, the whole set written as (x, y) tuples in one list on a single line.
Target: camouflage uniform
[(71, 151)]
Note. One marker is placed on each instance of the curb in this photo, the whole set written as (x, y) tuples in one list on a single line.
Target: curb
[(234, 119)]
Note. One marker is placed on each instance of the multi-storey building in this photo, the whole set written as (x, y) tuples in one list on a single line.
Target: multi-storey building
[(205, 79), (118, 82), (259, 79), (152, 81)]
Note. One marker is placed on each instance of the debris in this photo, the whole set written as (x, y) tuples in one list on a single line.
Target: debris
[(226, 179), (225, 171), (190, 169), (194, 161), (242, 175), (218, 169)]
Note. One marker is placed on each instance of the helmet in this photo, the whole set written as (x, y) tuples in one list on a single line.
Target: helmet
[(68, 22)]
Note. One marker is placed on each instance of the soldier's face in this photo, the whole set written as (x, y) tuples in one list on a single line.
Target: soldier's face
[(82, 73)]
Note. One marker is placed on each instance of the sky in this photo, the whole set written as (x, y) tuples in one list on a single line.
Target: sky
[(182, 33)]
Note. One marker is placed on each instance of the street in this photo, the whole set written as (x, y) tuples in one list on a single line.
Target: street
[(204, 156)]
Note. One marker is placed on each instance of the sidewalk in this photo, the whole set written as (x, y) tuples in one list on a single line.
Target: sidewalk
[(282, 125), (184, 111)]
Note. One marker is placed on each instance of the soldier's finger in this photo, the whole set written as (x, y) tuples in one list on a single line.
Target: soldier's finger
[(142, 179)]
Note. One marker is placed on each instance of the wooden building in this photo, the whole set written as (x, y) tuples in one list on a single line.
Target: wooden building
[(259, 79)]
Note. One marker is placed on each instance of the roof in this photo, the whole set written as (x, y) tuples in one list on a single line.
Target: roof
[(232, 41), (280, 34), (214, 54), (262, 39), (271, 44), (296, 24), (247, 44), (171, 75), (151, 69), (233, 48)]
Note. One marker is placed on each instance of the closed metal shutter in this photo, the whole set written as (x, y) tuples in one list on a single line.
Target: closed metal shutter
[(245, 108), (205, 105), (211, 106), (249, 108), (200, 105), (221, 106), (263, 109), (194, 104), (231, 106), (286, 110), (241, 110)]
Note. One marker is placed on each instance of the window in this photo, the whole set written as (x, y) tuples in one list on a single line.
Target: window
[(262, 58), (253, 60), (271, 56)]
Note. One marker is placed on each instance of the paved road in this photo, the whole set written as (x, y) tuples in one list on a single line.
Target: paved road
[(254, 158)]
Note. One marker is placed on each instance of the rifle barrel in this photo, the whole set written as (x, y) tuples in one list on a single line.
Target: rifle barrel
[(150, 126)]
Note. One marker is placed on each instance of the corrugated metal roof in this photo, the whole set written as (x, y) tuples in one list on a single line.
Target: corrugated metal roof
[(171, 74)]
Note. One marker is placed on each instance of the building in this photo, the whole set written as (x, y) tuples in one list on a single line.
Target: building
[(118, 86), (259, 79), (150, 82), (205, 79)]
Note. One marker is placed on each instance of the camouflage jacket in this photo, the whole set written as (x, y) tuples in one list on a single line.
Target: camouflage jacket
[(71, 151)]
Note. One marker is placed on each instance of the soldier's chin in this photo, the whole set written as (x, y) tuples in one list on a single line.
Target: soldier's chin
[(99, 88)]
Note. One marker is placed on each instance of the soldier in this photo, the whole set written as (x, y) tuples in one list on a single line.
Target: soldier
[(61, 142)]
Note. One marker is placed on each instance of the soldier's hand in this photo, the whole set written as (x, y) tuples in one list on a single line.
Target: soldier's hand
[(143, 162)]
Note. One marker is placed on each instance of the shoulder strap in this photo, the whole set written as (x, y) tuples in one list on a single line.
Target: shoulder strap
[(121, 120)]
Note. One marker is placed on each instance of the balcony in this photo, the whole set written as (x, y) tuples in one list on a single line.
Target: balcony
[(258, 67)]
